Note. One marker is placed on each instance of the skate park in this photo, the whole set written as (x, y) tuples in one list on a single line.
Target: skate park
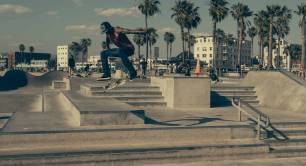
[(77, 121)]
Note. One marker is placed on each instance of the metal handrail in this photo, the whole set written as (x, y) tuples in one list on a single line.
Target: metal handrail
[(262, 119)]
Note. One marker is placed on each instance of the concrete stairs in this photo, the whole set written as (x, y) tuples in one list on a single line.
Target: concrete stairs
[(131, 146), (138, 93), (295, 145), (222, 94)]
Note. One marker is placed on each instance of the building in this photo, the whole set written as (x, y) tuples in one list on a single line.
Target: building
[(24, 59), (226, 52), (62, 56), (284, 59)]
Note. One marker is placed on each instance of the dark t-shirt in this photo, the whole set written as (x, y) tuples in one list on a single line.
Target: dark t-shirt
[(122, 41)]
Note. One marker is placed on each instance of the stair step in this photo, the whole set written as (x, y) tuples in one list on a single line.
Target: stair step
[(125, 93), (138, 154), (140, 98), (290, 142), (234, 91), (288, 151), (294, 132), (147, 103), (289, 124), (232, 87)]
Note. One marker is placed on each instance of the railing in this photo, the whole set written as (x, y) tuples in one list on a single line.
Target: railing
[(262, 120)]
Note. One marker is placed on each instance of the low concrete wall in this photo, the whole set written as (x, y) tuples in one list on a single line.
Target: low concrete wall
[(277, 91), (75, 113), (184, 92)]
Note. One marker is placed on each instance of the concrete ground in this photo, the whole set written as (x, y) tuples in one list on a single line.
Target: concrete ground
[(298, 161)]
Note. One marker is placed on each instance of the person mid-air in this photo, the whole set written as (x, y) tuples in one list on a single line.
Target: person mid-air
[(117, 36)]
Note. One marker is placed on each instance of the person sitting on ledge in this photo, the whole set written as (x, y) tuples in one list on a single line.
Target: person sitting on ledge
[(117, 36)]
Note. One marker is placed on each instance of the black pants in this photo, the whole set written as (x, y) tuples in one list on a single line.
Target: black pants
[(120, 53)]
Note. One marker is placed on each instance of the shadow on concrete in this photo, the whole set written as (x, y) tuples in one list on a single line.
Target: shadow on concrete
[(219, 101), (199, 120)]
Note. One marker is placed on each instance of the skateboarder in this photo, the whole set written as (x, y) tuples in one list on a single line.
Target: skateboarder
[(117, 36)]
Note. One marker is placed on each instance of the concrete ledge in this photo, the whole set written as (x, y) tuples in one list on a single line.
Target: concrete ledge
[(104, 111), (184, 92)]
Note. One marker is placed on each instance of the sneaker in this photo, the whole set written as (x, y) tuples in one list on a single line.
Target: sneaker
[(132, 77), (104, 78)]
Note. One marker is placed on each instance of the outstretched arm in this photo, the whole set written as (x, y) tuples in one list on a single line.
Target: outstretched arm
[(130, 31)]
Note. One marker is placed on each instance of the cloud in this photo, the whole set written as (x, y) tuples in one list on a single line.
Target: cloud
[(16, 9), (133, 11), (51, 13), (167, 29), (82, 28), (79, 3)]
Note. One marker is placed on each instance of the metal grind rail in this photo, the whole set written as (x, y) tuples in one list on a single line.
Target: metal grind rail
[(261, 119)]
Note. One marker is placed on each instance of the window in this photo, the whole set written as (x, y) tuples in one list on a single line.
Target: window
[(210, 55), (208, 40), (204, 55), (205, 39), (198, 55), (198, 49), (210, 48), (200, 40), (204, 48)]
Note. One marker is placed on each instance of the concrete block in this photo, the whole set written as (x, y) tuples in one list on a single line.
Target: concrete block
[(184, 92)]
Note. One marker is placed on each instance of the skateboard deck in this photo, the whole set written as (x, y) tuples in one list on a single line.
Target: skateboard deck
[(113, 83)]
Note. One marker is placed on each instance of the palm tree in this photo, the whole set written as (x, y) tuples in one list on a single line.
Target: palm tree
[(31, 49), (282, 28), (171, 40), (75, 48), (272, 11), (252, 32), (261, 23), (21, 50), (167, 40), (152, 38), (240, 12), (85, 43), (219, 38), (302, 12), (181, 10), (192, 21), (140, 40), (148, 8), (218, 11)]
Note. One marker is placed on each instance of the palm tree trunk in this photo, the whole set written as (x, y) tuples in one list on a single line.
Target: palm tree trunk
[(147, 42), (278, 54), (189, 45), (167, 55), (239, 47), (270, 43), (183, 44), (238, 43), (138, 58), (303, 58), (261, 50), (214, 43), (252, 51), (170, 52)]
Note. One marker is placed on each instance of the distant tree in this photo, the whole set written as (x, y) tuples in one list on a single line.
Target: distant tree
[(218, 11), (262, 25), (148, 8), (302, 13), (21, 50), (140, 40), (85, 43), (252, 32), (240, 13)]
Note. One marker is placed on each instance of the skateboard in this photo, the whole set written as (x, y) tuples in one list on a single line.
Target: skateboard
[(113, 83)]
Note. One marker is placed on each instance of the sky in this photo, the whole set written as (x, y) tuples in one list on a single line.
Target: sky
[(46, 24)]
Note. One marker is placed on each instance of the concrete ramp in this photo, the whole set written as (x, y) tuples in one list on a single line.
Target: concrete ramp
[(15, 79), (278, 91)]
